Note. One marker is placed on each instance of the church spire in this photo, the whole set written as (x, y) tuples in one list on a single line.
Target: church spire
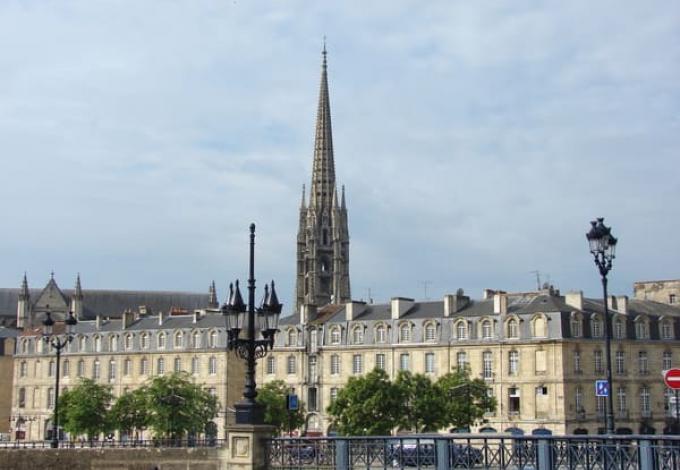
[(302, 200), (323, 172), (78, 294), (24, 294), (212, 296)]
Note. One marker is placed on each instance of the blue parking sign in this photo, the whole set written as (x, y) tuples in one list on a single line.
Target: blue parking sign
[(293, 402), (601, 388)]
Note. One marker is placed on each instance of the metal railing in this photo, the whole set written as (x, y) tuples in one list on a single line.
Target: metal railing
[(101, 444), (468, 451)]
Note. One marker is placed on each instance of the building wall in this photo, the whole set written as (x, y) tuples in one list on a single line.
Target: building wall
[(6, 374), (667, 292), (32, 372)]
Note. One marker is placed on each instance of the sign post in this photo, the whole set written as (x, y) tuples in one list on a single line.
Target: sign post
[(292, 404), (672, 379)]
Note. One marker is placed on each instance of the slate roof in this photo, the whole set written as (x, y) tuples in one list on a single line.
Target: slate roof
[(112, 303)]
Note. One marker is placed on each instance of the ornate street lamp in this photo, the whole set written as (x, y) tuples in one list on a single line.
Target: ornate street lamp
[(603, 247), (58, 343), (239, 316)]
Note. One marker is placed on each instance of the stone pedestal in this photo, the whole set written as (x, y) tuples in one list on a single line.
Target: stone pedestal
[(247, 446)]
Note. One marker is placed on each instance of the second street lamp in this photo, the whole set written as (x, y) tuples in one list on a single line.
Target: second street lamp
[(603, 248), (238, 316), (58, 344)]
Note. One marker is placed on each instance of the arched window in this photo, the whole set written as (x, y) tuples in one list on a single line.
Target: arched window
[(128, 342), (98, 343), (576, 325), (666, 329), (619, 329), (292, 337), (358, 335), (380, 334), (196, 340), (212, 339), (513, 328), (430, 331), (487, 329), (642, 329), (161, 340), (178, 364), (596, 326), (335, 336), (462, 330), (405, 333), (179, 339), (143, 366), (539, 327), (160, 366), (113, 343), (144, 341)]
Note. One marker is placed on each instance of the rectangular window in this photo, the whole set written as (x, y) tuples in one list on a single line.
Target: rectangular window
[(461, 360), (357, 364), (487, 365), (643, 363), (380, 361), (667, 360), (194, 365), (112, 371), (429, 363), (66, 368), (621, 395), (334, 394), (212, 365), (577, 362), (96, 370), (404, 362), (312, 404), (645, 409), (541, 362), (335, 364), (291, 365), (599, 405), (578, 399), (513, 401), (178, 364), (597, 361), (620, 363), (126, 367), (160, 366), (23, 371), (271, 365), (81, 368), (672, 299), (311, 368), (513, 363), (22, 398), (50, 369), (50, 398)]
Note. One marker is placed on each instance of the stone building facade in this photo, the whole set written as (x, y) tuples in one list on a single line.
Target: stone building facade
[(539, 352), (166, 333), (7, 347), (667, 292), (323, 237)]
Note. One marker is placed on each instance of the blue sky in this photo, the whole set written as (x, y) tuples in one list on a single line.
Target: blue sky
[(476, 140)]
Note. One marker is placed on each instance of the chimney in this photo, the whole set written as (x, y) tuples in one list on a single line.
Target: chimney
[(487, 294), (196, 314), (98, 322), (611, 302), (455, 302), (128, 318), (500, 303), (354, 309), (622, 304), (399, 306), (161, 318), (574, 299), (307, 313)]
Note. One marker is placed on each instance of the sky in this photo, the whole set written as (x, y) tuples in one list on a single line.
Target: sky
[(476, 141)]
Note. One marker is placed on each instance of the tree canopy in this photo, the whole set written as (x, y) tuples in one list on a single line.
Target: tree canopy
[(274, 397), (84, 409), (131, 411), (373, 405)]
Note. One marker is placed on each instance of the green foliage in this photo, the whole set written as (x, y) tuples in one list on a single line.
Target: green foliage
[(177, 406), (367, 405), (426, 405), (84, 409), (131, 411), (273, 396), (467, 399)]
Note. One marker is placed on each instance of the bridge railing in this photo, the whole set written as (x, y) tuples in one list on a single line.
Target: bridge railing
[(479, 451), (106, 443)]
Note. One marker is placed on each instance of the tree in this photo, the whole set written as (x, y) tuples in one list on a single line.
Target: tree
[(274, 397), (426, 405), (466, 399), (367, 405), (177, 405), (131, 411), (84, 409)]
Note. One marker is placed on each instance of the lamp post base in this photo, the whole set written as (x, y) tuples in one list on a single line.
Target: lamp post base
[(249, 412)]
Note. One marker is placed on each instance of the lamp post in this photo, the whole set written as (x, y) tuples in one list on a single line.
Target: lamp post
[(58, 344), (603, 247), (235, 311)]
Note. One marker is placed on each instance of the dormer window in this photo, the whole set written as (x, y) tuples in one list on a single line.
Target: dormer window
[(430, 332), (161, 340), (335, 335), (642, 329), (179, 339), (128, 342), (292, 337), (144, 341), (380, 335), (576, 326), (619, 329), (487, 329), (461, 330), (358, 335), (98, 343), (666, 329), (596, 325), (405, 333), (513, 328)]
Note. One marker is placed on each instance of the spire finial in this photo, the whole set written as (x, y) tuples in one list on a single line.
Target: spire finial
[(302, 200), (324, 52), (52, 275), (342, 204)]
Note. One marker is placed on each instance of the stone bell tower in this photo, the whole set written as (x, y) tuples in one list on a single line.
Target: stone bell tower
[(323, 237)]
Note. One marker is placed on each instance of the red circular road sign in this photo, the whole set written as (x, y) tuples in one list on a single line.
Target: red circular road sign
[(672, 378)]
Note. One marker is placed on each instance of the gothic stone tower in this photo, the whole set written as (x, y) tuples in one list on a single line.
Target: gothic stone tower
[(323, 238)]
